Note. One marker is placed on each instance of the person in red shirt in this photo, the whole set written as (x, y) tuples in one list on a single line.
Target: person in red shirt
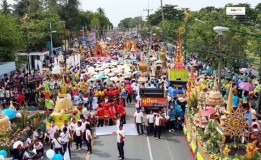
[(100, 114), (120, 110), (112, 113), (105, 104), (130, 92), (20, 98)]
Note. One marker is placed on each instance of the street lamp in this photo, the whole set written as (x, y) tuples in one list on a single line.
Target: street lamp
[(219, 30), (51, 37)]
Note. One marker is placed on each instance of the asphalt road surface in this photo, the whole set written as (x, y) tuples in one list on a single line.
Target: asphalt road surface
[(171, 146)]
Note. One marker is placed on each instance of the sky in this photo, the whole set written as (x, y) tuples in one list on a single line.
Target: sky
[(117, 10)]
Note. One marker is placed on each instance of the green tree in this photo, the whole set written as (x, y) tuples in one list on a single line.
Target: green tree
[(131, 23), (170, 13), (34, 6), (10, 38), (5, 7), (69, 11), (38, 31), (101, 10), (21, 7)]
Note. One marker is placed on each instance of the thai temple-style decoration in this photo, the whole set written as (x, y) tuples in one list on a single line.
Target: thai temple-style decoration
[(215, 97), (233, 123)]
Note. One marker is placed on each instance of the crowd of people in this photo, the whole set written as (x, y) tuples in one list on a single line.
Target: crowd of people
[(103, 104)]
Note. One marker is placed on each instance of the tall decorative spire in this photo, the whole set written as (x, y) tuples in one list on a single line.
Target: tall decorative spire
[(179, 61), (215, 88), (229, 100)]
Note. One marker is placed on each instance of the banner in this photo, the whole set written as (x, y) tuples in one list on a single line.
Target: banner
[(178, 75), (153, 101), (235, 11), (130, 129)]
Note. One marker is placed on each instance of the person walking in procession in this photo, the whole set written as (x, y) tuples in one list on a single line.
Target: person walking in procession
[(88, 135), (138, 119), (158, 126), (120, 141)]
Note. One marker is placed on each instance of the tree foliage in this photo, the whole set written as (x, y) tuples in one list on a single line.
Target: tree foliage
[(131, 23), (64, 16), (10, 38), (200, 37)]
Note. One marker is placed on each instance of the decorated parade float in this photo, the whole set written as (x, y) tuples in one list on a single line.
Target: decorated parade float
[(215, 130), (63, 107), (178, 74), (15, 124)]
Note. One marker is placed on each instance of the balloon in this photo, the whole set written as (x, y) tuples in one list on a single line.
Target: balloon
[(2, 157), (57, 157), (3, 153), (10, 113), (18, 115), (50, 153)]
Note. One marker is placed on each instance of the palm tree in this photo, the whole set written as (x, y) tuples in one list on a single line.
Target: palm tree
[(5, 7), (101, 10)]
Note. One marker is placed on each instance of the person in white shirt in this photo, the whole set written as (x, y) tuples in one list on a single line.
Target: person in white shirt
[(78, 135), (138, 119), (85, 112), (66, 125), (158, 125), (150, 120), (38, 146), (88, 137), (28, 142), (138, 99), (18, 146), (38, 135), (65, 135), (73, 125), (51, 131), (118, 121), (120, 141), (84, 122), (29, 155), (57, 143)]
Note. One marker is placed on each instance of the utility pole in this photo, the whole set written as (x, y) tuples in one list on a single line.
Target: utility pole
[(150, 33), (163, 21), (148, 10), (51, 38)]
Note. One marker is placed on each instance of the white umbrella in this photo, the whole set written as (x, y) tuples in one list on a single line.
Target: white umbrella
[(153, 58), (111, 74), (98, 69), (101, 72), (158, 61), (113, 69), (114, 79), (106, 70)]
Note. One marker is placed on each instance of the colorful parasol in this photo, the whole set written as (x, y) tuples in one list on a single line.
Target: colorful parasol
[(207, 112), (246, 86)]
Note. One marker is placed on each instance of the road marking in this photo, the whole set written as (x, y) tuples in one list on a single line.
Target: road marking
[(148, 140), (170, 153)]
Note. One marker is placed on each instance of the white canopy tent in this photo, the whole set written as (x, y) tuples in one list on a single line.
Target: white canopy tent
[(36, 61)]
